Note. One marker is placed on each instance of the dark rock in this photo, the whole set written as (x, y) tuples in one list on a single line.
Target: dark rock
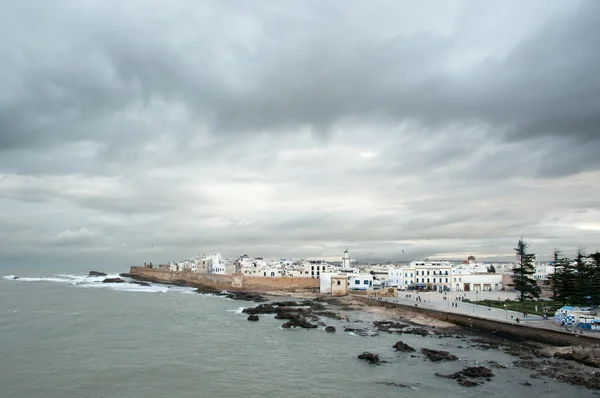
[(467, 383), (140, 283), (317, 307), (437, 356), (418, 331), (330, 329), (298, 322), (261, 309), (287, 304), (403, 347), (246, 296), (528, 384), (579, 356), (113, 280), (477, 371), (124, 275), (391, 383), (389, 326), (329, 314), (371, 358), (496, 365), (323, 324), (208, 290), (96, 273), (361, 332), (253, 317)]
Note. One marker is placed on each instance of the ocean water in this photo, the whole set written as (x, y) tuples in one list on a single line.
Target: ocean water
[(65, 335)]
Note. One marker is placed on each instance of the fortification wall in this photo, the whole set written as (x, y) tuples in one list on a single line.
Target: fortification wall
[(223, 282), (514, 330)]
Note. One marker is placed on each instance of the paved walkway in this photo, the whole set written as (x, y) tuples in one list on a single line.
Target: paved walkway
[(435, 301)]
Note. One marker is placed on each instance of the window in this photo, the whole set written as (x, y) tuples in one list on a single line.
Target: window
[(427, 273), (446, 272), (272, 273), (366, 282), (446, 280), (433, 280), (338, 282), (357, 282), (427, 280)]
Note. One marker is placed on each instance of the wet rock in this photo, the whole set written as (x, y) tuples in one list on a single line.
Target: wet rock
[(369, 357), (403, 347), (298, 322), (286, 304), (361, 332), (113, 280), (246, 296), (528, 384), (208, 290), (417, 331), (253, 317), (485, 344), (261, 309), (140, 283), (330, 329), (438, 356), (496, 365), (580, 356), (125, 275), (463, 377), (329, 314), (392, 384), (96, 273), (389, 326), (317, 307)]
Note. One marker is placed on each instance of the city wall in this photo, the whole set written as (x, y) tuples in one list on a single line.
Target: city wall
[(508, 329), (223, 282)]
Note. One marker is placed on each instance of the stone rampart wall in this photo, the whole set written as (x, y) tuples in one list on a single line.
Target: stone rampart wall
[(224, 282)]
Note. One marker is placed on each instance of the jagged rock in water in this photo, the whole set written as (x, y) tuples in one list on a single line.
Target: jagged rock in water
[(287, 304), (330, 329), (475, 372), (96, 273), (261, 309), (418, 331), (361, 332), (298, 322), (140, 283), (389, 326), (403, 347), (246, 296), (329, 314), (253, 317), (437, 356), (369, 357), (113, 280), (124, 275)]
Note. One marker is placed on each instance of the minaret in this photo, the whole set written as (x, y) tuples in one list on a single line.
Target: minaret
[(346, 260)]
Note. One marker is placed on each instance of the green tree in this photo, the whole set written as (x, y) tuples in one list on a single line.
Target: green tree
[(564, 280), (491, 269), (595, 276), (583, 288), (521, 279), (553, 278)]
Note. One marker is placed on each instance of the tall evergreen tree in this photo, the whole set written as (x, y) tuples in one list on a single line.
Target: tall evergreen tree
[(582, 291), (553, 279), (595, 277), (565, 280), (522, 272)]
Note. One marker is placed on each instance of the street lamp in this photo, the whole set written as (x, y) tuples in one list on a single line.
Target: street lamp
[(506, 311)]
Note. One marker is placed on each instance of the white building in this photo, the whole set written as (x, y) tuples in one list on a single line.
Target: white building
[(346, 260), (360, 281)]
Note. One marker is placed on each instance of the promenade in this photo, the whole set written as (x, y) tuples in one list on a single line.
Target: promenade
[(435, 301)]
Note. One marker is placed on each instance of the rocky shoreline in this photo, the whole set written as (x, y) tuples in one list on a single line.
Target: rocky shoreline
[(572, 365)]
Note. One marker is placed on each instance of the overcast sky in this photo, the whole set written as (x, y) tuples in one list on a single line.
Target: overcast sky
[(135, 131)]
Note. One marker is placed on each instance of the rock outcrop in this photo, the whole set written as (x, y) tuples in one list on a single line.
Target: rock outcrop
[(438, 356), (403, 347), (369, 357), (298, 322), (463, 377), (253, 317), (113, 280), (330, 329), (140, 283), (389, 326), (96, 273), (125, 275)]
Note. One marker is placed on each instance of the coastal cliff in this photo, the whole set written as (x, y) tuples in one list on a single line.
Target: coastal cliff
[(223, 282)]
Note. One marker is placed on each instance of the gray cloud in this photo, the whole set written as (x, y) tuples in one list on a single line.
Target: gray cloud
[(298, 130)]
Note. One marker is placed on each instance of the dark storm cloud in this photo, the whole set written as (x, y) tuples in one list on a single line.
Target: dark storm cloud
[(296, 128)]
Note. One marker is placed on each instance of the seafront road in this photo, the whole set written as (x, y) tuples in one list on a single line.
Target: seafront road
[(435, 300)]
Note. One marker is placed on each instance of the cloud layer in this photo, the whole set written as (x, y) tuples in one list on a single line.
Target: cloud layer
[(133, 131)]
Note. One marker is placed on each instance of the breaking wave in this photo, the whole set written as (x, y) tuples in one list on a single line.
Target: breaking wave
[(95, 282)]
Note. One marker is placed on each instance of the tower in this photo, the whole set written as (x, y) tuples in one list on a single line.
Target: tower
[(346, 260)]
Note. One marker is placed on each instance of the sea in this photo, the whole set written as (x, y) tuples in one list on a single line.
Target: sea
[(63, 334)]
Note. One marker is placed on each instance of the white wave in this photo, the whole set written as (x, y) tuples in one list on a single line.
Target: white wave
[(9, 277), (237, 311), (37, 279)]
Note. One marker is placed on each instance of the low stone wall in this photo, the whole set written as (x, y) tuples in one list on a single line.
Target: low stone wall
[(223, 282), (513, 330)]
